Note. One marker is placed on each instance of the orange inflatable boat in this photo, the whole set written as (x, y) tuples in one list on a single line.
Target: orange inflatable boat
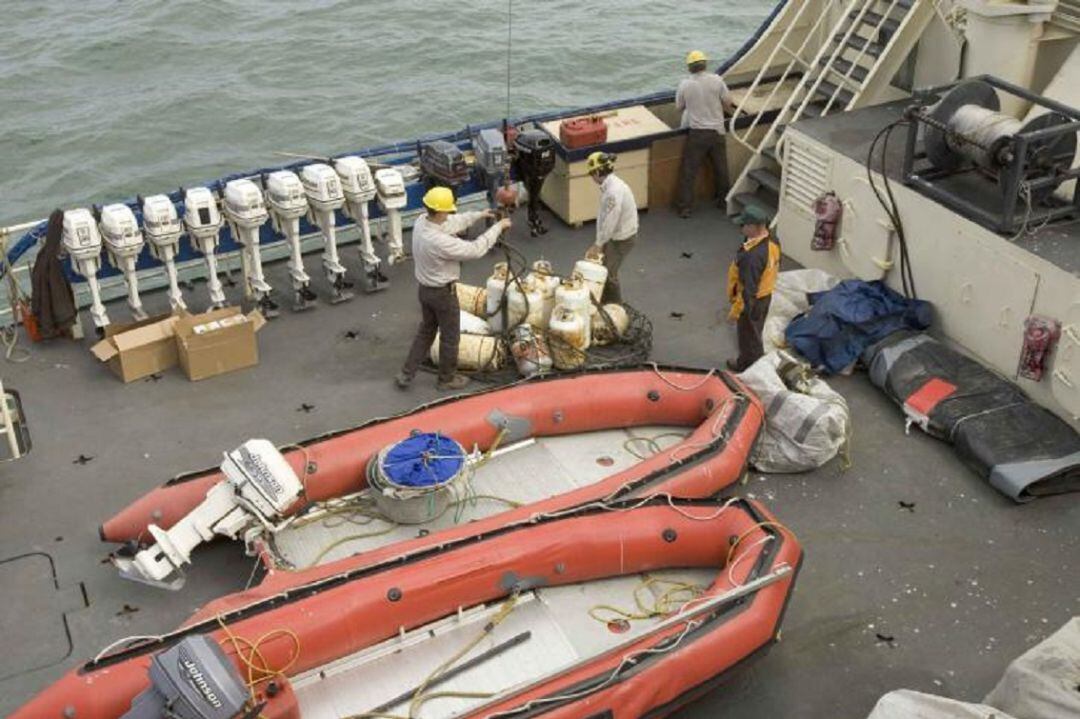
[(616, 608), (722, 419)]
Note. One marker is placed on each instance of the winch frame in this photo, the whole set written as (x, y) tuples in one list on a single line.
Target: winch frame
[(1022, 175)]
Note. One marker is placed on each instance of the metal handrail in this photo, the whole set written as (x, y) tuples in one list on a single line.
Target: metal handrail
[(769, 60)]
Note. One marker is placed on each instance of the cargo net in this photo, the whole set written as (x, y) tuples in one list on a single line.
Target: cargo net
[(516, 351)]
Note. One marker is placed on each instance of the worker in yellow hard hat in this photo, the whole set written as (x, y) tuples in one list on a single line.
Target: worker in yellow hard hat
[(616, 221), (437, 256), (703, 98)]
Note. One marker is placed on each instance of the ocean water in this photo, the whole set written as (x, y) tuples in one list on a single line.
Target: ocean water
[(103, 99)]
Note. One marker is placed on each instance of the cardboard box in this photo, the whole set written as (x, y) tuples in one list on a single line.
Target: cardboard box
[(217, 342), (139, 349)]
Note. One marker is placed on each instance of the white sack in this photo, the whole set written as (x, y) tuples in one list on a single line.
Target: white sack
[(804, 429), (1042, 682), (908, 704), (789, 300)]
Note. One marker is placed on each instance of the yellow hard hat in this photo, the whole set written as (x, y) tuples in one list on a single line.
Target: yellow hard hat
[(695, 56), (440, 199), (600, 162)]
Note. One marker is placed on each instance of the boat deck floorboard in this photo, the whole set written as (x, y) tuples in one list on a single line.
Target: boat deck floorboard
[(938, 597)]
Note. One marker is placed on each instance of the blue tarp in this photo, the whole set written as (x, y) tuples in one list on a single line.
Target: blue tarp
[(423, 460), (850, 317)]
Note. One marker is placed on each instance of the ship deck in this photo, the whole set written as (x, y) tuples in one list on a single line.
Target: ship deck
[(917, 573)]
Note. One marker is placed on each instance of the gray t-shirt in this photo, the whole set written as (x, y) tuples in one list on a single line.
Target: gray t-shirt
[(700, 96)]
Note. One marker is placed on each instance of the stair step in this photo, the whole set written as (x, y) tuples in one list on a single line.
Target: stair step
[(746, 199), (874, 19), (770, 152), (826, 90), (856, 42), (766, 178), (842, 66)]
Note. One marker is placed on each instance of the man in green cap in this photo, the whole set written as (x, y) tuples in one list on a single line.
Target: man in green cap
[(751, 279)]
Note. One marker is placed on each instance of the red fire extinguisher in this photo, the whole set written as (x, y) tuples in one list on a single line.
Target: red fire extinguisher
[(1040, 336), (827, 213)]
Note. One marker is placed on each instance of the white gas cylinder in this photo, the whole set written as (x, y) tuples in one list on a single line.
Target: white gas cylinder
[(604, 334), (475, 352), (494, 287), (594, 275), (524, 304), (546, 281), (568, 337), (573, 294)]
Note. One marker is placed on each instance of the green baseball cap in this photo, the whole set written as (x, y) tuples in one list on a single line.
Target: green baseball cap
[(751, 215)]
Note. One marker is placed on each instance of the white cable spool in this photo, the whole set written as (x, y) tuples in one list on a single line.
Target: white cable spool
[(475, 352), (470, 324)]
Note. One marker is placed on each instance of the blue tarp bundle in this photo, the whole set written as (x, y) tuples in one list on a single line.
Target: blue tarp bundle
[(850, 317), (423, 460)]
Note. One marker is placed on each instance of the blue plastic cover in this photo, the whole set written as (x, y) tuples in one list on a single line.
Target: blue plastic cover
[(423, 460), (847, 319)]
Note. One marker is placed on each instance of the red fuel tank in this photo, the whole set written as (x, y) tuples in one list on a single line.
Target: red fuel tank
[(577, 132)]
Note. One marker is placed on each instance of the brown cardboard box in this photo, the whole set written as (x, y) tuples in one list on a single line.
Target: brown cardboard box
[(218, 341), (139, 349)]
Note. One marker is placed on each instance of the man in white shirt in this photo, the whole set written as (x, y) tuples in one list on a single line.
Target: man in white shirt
[(616, 221), (703, 98), (437, 256)]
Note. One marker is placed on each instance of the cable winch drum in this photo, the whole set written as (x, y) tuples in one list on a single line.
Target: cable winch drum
[(966, 125), (416, 479)]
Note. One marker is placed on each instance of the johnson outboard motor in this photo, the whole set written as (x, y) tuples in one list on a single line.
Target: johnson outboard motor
[(535, 159), (192, 680)]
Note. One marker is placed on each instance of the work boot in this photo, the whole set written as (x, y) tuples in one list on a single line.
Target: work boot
[(402, 380), (684, 214), (733, 365), (458, 381)]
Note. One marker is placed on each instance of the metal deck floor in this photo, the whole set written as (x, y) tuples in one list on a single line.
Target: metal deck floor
[(961, 583)]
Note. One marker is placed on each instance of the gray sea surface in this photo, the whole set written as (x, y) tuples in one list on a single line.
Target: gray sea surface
[(100, 100)]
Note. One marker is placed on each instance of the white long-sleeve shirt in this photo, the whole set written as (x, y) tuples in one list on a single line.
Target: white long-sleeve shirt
[(437, 253), (617, 218), (702, 97)]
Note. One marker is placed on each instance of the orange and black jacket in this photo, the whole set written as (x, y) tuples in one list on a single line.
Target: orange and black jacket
[(752, 274)]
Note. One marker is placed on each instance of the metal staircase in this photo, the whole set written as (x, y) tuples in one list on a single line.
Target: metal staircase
[(859, 56)]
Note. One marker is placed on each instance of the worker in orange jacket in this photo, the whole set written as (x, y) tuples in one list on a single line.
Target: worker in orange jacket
[(751, 279)]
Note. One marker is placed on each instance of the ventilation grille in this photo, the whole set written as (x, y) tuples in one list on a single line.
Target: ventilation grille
[(806, 173), (1067, 15)]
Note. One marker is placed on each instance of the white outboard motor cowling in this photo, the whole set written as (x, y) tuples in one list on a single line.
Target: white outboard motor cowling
[(259, 487), (82, 240), (390, 189)]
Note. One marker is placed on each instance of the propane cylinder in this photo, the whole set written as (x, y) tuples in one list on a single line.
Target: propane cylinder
[(494, 288), (603, 333), (594, 274), (544, 279), (475, 352), (573, 294), (827, 214), (524, 304), (529, 348), (473, 325), (471, 299), (568, 338)]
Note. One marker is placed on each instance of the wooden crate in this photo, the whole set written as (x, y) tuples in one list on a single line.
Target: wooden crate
[(569, 191)]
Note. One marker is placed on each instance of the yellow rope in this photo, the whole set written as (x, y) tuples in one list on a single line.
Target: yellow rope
[(669, 600), (258, 673)]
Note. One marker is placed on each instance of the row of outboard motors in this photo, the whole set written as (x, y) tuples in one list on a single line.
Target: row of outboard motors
[(282, 197)]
